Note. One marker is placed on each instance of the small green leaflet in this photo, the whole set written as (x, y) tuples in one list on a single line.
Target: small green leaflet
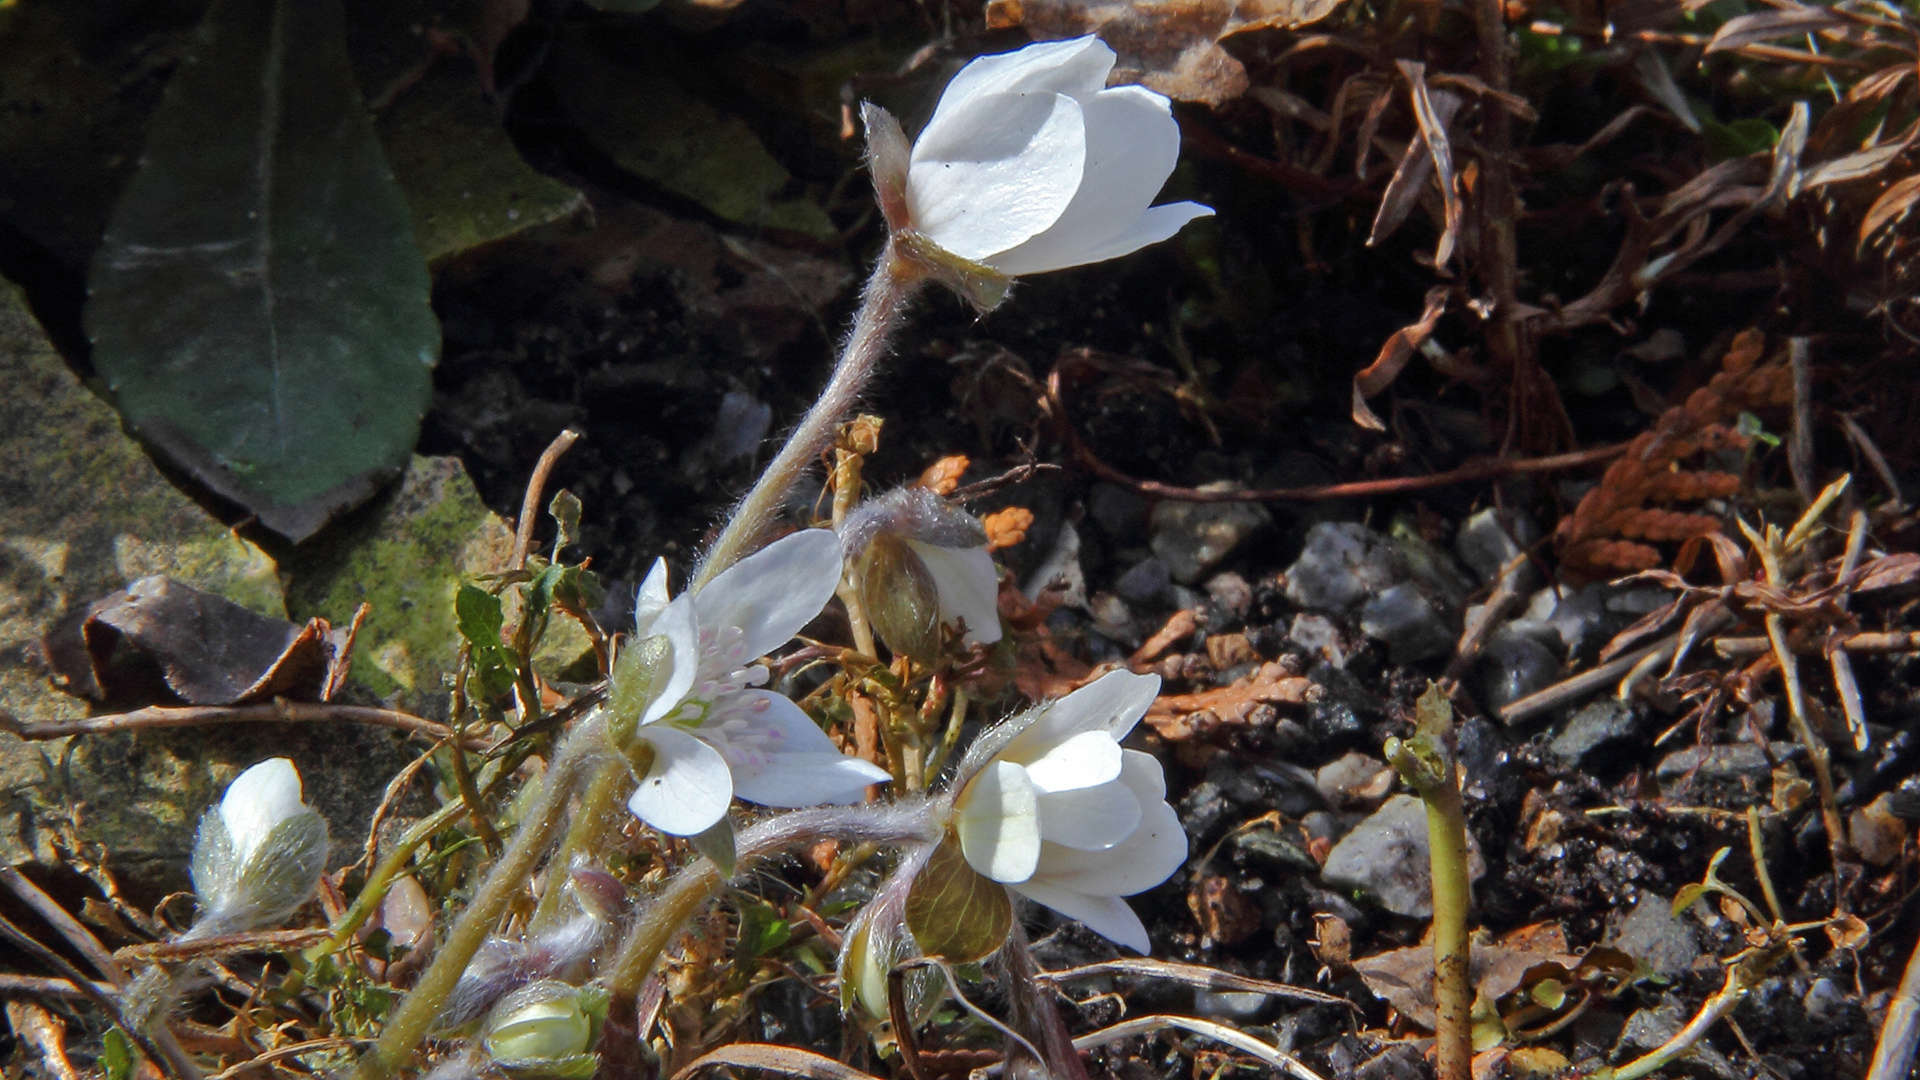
[(259, 309), (116, 1055), (480, 618)]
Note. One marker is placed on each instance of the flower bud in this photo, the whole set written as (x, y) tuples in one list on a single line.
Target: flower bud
[(546, 1030), (921, 562), (259, 854)]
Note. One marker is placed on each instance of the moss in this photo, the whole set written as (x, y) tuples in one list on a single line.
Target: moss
[(406, 556)]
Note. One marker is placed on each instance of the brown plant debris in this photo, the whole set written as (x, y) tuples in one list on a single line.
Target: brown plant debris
[(1616, 524)]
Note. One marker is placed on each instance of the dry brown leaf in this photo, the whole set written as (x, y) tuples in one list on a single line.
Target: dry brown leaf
[(1892, 205), (1404, 977), (1888, 571), (1171, 714), (1393, 357), (1172, 47), (1179, 627), (944, 475), (1007, 527), (1764, 26)]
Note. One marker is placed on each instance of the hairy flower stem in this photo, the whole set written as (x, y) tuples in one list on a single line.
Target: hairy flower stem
[(882, 305), (597, 815), (508, 877), (1426, 763), (689, 890)]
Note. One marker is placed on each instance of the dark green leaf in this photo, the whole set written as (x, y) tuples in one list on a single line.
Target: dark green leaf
[(565, 510), (480, 618), (954, 912), (259, 308)]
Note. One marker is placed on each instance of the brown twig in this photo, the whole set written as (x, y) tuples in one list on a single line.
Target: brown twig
[(176, 1065), (536, 486), (225, 945), (1488, 469), (312, 1046), (46, 986), (278, 710), (47, 1034), (1741, 648), (65, 924)]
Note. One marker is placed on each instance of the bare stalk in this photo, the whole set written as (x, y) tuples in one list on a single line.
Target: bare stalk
[(1900, 1034), (882, 304), (1426, 762)]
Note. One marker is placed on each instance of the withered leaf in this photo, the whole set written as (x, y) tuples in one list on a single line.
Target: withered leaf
[(1404, 977), (208, 650), (1891, 206), (1888, 571), (1764, 26), (1171, 47)]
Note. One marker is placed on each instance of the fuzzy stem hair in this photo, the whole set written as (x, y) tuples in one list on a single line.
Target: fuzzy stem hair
[(883, 303)]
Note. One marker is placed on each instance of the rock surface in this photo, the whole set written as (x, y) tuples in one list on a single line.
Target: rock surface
[(1193, 538), (1386, 856)]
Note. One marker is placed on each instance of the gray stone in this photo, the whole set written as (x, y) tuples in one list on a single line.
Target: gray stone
[(1229, 1005), (1650, 1029), (1342, 563), (1411, 625), (1385, 856), (1733, 763), (1147, 581), (1319, 637), (1652, 934), (1485, 543), (1431, 566), (1231, 593), (1061, 568), (1606, 722), (1118, 513), (1193, 538), (1514, 664)]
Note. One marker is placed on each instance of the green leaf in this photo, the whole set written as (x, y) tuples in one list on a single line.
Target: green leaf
[(565, 511), (717, 843), (480, 618), (259, 309), (762, 930), (1689, 896), (954, 912), (116, 1055)]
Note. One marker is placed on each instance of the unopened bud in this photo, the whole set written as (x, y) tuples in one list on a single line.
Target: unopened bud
[(546, 1030), (920, 562), (900, 597), (259, 854)]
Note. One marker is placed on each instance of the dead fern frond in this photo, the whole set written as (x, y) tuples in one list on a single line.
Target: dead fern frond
[(1616, 523)]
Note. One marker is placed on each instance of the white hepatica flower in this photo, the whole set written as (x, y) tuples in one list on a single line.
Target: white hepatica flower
[(1067, 818), (1031, 163), (259, 853), (712, 733)]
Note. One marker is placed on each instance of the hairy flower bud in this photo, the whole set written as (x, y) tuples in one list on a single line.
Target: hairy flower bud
[(259, 854), (921, 562), (546, 1031)]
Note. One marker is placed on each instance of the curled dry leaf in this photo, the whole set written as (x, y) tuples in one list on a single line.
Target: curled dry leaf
[(1404, 977), (1172, 715), (1171, 47), (208, 649)]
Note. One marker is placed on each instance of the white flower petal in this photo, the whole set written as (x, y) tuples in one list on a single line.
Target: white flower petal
[(998, 821), (1113, 703), (1108, 916), (1142, 774), (773, 593), (1082, 761), (1133, 144), (1154, 225), (784, 759), (651, 600), (688, 788), (1145, 859), (257, 800), (996, 172), (675, 624), (1078, 65), (968, 586), (1090, 819)]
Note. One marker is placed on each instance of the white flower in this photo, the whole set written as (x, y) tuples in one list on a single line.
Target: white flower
[(712, 734), (256, 801), (1067, 818), (259, 853), (1031, 163), (968, 587)]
